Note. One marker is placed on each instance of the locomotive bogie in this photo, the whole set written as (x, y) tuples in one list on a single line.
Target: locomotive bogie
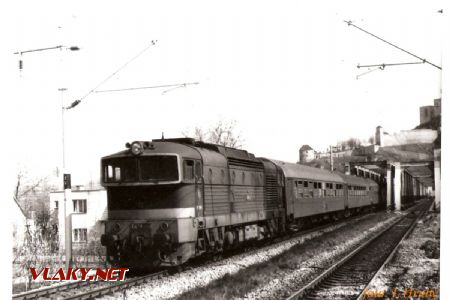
[(131, 242)]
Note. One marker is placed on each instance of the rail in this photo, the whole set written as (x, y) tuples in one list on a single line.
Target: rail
[(328, 272)]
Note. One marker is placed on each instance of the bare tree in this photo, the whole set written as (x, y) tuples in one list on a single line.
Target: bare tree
[(222, 133), (36, 244)]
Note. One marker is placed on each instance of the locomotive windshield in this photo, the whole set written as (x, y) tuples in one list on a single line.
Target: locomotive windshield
[(141, 169), (159, 167)]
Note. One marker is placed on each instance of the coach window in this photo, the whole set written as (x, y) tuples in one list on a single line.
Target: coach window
[(188, 169)]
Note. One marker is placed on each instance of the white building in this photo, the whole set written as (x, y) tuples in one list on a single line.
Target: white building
[(88, 209)]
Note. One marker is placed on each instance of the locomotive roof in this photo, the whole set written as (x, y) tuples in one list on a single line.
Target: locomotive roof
[(228, 152), (164, 147), (292, 170)]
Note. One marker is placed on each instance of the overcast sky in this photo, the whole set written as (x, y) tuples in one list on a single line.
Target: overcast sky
[(284, 70)]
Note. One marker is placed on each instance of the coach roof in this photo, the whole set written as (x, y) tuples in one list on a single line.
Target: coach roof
[(356, 180), (292, 170)]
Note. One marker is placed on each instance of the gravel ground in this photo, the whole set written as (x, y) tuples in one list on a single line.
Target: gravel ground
[(416, 264), (178, 284), (266, 273), (305, 268)]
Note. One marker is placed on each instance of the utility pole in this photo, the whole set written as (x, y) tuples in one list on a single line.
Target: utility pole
[(67, 186), (66, 218), (331, 158)]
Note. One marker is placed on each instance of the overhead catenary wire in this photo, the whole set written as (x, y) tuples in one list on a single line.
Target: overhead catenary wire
[(370, 71), (350, 23), (383, 65), (177, 85), (76, 102)]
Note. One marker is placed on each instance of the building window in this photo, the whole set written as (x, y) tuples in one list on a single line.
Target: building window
[(79, 206), (56, 204), (80, 235)]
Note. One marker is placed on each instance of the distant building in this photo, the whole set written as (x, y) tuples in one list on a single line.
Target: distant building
[(427, 113), (404, 137), (306, 154), (88, 208)]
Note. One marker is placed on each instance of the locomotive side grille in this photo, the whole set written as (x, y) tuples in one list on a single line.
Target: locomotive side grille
[(216, 200), (271, 189), (245, 163)]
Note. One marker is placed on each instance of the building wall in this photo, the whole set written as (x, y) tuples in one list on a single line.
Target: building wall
[(306, 155), (96, 211), (405, 137), (326, 154), (430, 111)]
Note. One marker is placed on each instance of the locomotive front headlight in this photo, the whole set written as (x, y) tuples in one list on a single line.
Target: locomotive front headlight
[(136, 148), (164, 226)]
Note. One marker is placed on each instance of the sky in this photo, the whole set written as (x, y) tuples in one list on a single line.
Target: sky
[(284, 71)]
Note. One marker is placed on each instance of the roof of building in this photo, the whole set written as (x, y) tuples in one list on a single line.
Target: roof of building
[(80, 190), (306, 147)]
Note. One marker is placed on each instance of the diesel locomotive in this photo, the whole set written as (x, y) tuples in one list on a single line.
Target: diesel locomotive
[(170, 200)]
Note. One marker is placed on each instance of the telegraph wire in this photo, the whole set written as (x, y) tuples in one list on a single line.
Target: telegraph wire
[(350, 23), (76, 102)]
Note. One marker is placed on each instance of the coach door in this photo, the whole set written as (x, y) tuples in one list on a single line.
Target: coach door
[(199, 194)]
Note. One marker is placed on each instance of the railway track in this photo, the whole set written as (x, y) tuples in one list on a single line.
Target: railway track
[(85, 289), (93, 289), (348, 278)]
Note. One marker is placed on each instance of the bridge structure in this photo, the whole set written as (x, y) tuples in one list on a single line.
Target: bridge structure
[(401, 182)]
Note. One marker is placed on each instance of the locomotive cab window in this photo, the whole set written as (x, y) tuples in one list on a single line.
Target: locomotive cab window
[(120, 169), (188, 169)]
